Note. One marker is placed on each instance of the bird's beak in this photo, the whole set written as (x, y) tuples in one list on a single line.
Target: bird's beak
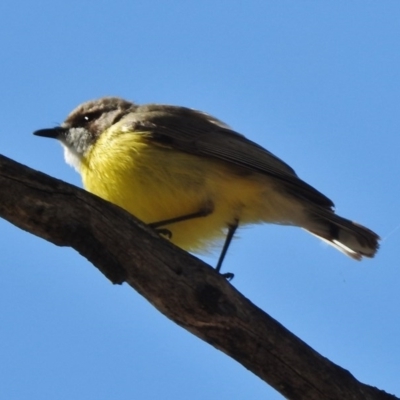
[(53, 133)]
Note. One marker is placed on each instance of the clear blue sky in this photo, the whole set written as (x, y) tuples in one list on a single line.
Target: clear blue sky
[(317, 83)]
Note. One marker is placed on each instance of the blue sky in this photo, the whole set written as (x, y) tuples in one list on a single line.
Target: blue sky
[(317, 83)]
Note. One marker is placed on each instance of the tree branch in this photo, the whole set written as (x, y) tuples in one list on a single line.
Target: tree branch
[(183, 288)]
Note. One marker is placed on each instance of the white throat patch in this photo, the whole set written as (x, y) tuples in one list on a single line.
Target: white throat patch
[(72, 157)]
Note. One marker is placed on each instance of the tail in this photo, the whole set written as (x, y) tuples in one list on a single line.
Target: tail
[(352, 239)]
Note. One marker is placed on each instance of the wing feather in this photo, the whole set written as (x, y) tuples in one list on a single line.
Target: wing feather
[(198, 133)]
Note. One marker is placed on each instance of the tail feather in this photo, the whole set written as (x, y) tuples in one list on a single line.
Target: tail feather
[(352, 239)]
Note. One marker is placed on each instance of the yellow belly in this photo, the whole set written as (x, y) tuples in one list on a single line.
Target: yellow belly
[(157, 183)]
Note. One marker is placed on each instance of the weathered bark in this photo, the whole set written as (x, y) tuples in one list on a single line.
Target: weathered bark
[(183, 288)]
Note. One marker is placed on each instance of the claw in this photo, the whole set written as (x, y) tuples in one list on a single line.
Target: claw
[(228, 276), (164, 232)]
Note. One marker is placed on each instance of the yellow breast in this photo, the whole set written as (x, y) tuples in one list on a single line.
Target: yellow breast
[(157, 183)]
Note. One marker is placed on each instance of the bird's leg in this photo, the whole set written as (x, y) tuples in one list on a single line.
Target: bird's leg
[(203, 212), (207, 210), (231, 231), (197, 214)]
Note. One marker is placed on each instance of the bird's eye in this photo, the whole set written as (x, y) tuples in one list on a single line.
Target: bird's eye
[(85, 119)]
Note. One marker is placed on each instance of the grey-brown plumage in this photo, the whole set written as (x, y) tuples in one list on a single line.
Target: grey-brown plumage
[(201, 135)]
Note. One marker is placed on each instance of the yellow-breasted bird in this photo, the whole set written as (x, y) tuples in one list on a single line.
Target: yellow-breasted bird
[(189, 173)]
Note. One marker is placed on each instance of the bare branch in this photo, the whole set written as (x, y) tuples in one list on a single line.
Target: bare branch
[(183, 288)]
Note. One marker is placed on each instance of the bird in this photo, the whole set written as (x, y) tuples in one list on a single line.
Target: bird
[(193, 178)]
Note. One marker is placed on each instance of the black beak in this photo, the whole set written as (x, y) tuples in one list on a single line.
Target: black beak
[(53, 133)]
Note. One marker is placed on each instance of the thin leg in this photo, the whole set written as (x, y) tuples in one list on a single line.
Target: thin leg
[(206, 210), (202, 213), (231, 231)]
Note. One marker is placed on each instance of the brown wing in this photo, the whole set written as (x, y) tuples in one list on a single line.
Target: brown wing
[(201, 134)]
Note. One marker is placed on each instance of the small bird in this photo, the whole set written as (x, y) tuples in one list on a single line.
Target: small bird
[(193, 178)]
